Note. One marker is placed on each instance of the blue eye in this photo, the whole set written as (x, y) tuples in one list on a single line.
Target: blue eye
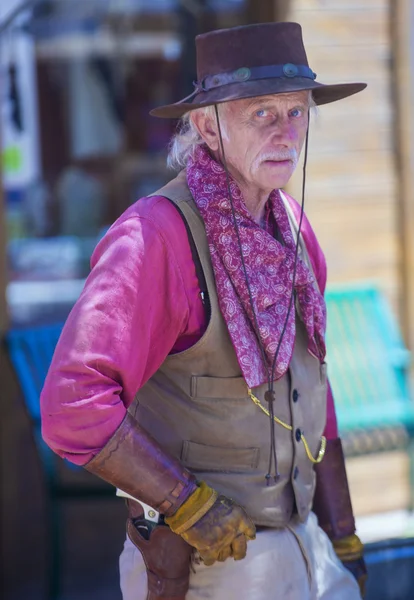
[(261, 113), (296, 112)]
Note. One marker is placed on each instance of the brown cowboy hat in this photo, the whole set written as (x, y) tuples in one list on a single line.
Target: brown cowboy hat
[(253, 60)]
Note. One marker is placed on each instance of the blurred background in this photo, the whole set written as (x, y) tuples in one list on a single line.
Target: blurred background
[(77, 147)]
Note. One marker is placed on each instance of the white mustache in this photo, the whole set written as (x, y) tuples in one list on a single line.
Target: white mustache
[(291, 154)]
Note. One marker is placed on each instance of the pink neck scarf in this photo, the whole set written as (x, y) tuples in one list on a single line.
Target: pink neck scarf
[(269, 267)]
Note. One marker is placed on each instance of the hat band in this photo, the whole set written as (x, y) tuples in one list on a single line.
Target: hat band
[(242, 74)]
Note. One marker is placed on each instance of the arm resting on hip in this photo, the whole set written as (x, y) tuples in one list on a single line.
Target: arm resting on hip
[(134, 462)]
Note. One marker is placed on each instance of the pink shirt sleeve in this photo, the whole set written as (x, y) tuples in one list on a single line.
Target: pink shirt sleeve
[(318, 262), (137, 306)]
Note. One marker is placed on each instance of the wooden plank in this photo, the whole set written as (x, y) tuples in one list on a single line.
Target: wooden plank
[(383, 276), (375, 252), (370, 475), (363, 216), (373, 101), (349, 198), (359, 242), (364, 54), (343, 27), (361, 62), (401, 21), (321, 5), (346, 169), (332, 115), (319, 191), (352, 243), (377, 133), (340, 138), (385, 279), (374, 243), (323, 190), (367, 139), (367, 164), (367, 252)]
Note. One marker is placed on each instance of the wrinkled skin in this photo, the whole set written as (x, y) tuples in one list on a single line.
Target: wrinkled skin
[(262, 141), (222, 532)]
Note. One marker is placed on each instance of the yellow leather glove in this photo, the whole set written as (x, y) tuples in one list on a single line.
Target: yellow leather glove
[(215, 525), (350, 551)]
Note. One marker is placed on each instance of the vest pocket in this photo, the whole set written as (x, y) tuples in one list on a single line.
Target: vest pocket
[(218, 387), (214, 458)]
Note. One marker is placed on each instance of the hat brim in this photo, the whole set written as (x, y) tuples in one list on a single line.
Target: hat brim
[(321, 93)]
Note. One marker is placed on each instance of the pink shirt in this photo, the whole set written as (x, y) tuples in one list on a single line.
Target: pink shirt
[(140, 303)]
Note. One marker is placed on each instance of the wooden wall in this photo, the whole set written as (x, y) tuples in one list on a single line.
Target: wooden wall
[(351, 181)]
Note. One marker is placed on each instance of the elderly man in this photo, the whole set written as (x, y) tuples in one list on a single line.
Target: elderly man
[(191, 374)]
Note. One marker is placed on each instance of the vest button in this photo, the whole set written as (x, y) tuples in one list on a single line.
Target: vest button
[(298, 435), (295, 395), (295, 472)]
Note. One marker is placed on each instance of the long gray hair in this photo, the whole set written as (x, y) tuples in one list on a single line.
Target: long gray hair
[(186, 139)]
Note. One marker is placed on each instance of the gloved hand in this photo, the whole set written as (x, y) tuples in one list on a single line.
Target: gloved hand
[(350, 550), (215, 525)]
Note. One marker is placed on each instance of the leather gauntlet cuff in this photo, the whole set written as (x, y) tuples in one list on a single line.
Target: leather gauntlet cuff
[(133, 461), (332, 501)]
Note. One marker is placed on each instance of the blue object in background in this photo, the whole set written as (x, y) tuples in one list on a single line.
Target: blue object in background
[(390, 566), (31, 352)]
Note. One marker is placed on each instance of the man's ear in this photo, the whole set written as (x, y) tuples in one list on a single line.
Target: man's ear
[(206, 125)]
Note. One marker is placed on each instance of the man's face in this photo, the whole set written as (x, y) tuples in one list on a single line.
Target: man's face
[(263, 137)]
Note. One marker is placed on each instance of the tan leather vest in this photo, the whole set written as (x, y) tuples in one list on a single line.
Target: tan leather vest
[(197, 407)]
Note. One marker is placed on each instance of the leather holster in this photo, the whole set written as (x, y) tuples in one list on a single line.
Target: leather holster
[(134, 462), (166, 555)]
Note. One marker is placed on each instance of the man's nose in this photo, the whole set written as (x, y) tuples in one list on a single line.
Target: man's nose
[(284, 130)]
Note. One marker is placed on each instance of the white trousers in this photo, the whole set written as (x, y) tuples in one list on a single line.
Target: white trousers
[(295, 563)]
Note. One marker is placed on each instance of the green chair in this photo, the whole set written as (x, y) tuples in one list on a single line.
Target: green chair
[(367, 360)]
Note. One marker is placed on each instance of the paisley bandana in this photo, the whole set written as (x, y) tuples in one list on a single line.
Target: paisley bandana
[(269, 267)]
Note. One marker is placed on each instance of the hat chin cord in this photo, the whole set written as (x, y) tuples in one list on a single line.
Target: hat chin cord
[(270, 394)]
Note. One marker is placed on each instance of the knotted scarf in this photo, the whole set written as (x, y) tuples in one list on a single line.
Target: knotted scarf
[(269, 267)]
